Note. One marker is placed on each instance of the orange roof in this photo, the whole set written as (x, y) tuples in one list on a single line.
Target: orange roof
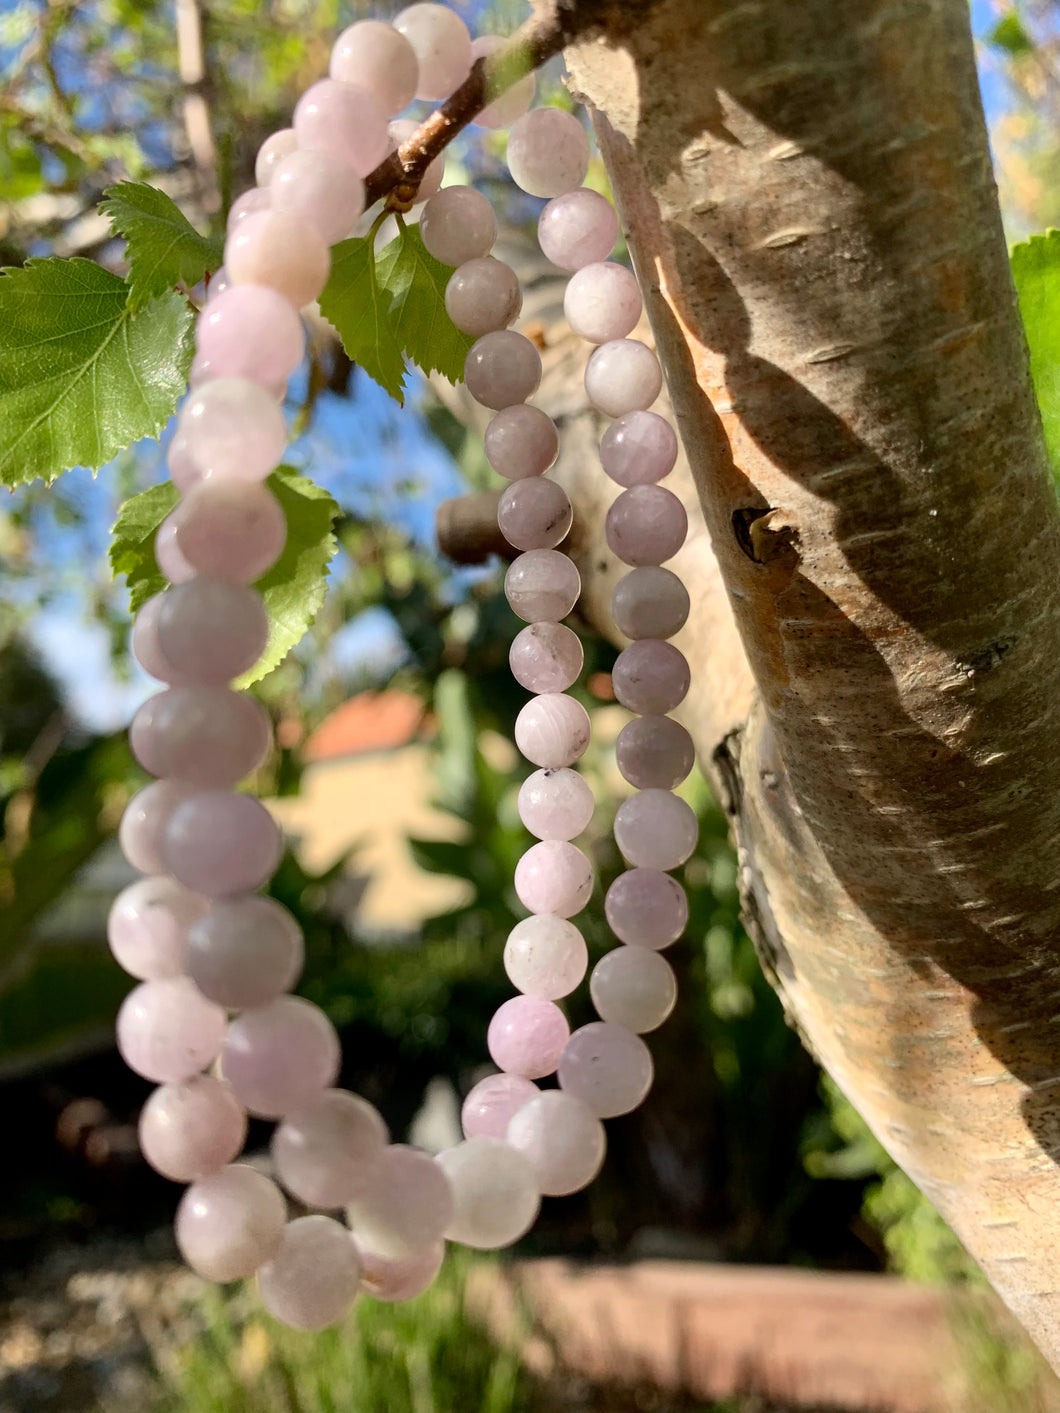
[(371, 721)]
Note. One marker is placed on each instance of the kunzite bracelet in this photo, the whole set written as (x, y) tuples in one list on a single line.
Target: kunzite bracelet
[(213, 1022)]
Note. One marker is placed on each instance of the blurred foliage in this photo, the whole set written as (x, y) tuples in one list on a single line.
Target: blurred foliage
[(1023, 47)]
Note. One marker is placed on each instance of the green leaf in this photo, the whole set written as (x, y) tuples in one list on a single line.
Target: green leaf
[(81, 374), (1036, 271), (164, 248), (294, 587), (1008, 34), (392, 307)]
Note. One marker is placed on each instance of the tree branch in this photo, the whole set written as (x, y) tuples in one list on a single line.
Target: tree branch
[(191, 60)]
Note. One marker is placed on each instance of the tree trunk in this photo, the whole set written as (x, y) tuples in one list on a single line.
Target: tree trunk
[(808, 197)]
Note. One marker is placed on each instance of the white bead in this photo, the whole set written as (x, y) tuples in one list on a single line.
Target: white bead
[(495, 1193)]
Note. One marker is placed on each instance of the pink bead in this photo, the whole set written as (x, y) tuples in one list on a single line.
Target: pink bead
[(208, 736), (483, 296), (231, 530), (407, 1207), (250, 332), (646, 908), (183, 471), (230, 1223), (514, 101), (602, 302), (546, 657), (315, 1275), (654, 752), (345, 121), (141, 833), (548, 152), (246, 205), (534, 514), (556, 804), (578, 228), (633, 987), (245, 952), (167, 1031), (607, 1067), (526, 1036), (552, 730), (651, 676), (326, 1155), (167, 552), (622, 375), (639, 449), (495, 1196), (148, 927), (210, 631), (501, 369), (400, 130), (542, 586), (400, 1280), (218, 843), (489, 1106), (271, 153), (442, 46), (655, 829), (554, 877), (646, 525), (281, 1057), (374, 56), (521, 441), (562, 1140), (202, 372), (650, 603), (320, 189), (143, 642), (275, 248), (234, 429), (457, 225), (545, 956), (216, 284), (190, 1130)]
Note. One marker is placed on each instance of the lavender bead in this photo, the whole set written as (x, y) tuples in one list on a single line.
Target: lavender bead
[(141, 834), (230, 1223), (607, 1067), (406, 1208), (234, 429), (276, 249), (190, 1130), (400, 130), (372, 55), (552, 730), (251, 332), (344, 121), (320, 189), (562, 1139), (167, 1031), (204, 735), (646, 908), (218, 843), (622, 376), (556, 804), (639, 449), (651, 676), (554, 877), (326, 1155), (602, 302), (521, 441), (654, 829), (400, 1280), (578, 228), (245, 952), (546, 657), (272, 151), (457, 225), (502, 368), (545, 956), (483, 296), (491, 1104), (231, 530), (315, 1275), (147, 927), (511, 104), (495, 1195), (534, 514), (442, 46), (167, 552), (633, 987), (542, 586), (526, 1036), (281, 1057), (646, 525), (654, 752), (211, 631), (548, 152), (650, 603)]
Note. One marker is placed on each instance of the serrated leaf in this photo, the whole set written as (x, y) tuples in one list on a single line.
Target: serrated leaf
[(354, 302), (163, 248), (293, 589), (81, 374), (1036, 271)]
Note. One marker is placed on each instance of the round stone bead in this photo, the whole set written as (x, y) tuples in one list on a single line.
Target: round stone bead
[(373, 55), (272, 151), (249, 203), (546, 657), (458, 224), (562, 1140), (526, 1036), (607, 1067), (651, 676), (141, 834), (541, 586), (231, 530), (281, 1057), (250, 332), (400, 1280), (204, 735), (495, 1195), (548, 152), (210, 631), (217, 283), (639, 449), (234, 429), (190, 1130), (276, 249), (406, 1208), (534, 514), (326, 1155), (646, 908), (147, 927), (319, 188), (167, 1031), (491, 1104), (602, 302), (502, 368), (401, 129), (554, 877), (654, 752), (483, 296), (655, 829), (556, 804), (578, 228), (514, 102), (218, 843), (345, 121), (230, 1223), (245, 952), (167, 552), (650, 603), (442, 45), (552, 730), (646, 525), (545, 956), (183, 472), (622, 376), (633, 987), (315, 1275), (521, 441), (143, 642)]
